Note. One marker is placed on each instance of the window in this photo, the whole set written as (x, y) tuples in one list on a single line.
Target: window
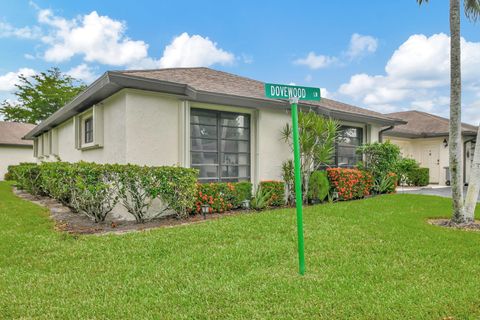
[(35, 147), (88, 130), (349, 138), (220, 145)]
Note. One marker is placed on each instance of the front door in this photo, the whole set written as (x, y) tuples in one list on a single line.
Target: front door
[(431, 160)]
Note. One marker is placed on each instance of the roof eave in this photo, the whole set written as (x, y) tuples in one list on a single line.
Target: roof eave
[(18, 145), (70, 109)]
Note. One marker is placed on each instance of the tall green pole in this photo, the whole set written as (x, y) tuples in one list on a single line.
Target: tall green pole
[(298, 186)]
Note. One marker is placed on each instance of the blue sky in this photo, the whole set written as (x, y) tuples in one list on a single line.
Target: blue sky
[(383, 55)]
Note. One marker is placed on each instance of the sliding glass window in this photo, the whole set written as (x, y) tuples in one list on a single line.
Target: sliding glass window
[(348, 140), (220, 145)]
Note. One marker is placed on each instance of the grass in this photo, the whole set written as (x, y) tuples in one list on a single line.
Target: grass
[(368, 259)]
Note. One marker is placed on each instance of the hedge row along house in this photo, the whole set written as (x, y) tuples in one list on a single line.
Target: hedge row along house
[(424, 137), (13, 149)]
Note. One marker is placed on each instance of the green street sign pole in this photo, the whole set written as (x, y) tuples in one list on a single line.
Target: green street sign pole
[(298, 186), (294, 94)]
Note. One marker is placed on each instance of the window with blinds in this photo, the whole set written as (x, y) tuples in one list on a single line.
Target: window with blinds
[(220, 145)]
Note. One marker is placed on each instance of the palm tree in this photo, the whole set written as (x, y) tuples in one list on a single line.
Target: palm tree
[(472, 11)]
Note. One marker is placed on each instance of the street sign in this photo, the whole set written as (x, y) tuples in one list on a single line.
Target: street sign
[(282, 91), (293, 94)]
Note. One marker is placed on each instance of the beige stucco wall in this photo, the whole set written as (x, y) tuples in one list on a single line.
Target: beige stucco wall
[(271, 150), (413, 148), (10, 155), (152, 128), (114, 135)]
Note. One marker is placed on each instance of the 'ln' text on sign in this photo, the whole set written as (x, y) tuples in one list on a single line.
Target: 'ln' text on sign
[(282, 91)]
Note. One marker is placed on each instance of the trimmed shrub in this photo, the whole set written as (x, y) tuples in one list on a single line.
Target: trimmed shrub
[(94, 193), (137, 188), (276, 189), (350, 183), (58, 180), (419, 177), (243, 192), (9, 174), (404, 168), (319, 186), (222, 196), (177, 188), (94, 189), (27, 176)]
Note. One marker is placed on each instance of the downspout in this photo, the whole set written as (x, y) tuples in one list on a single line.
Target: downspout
[(380, 133)]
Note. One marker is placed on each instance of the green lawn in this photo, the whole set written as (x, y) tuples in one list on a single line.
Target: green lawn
[(368, 259)]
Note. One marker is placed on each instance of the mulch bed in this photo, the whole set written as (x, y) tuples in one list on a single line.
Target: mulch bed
[(447, 223), (75, 223)]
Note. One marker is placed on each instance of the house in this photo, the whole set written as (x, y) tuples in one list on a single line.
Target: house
[(425, 138), (13, 149), (217, 122)]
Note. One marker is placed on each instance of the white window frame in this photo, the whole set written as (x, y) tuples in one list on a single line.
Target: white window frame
[(35, 147), (96, 113)]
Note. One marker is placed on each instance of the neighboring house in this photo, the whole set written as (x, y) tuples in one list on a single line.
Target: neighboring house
[(217, 122), (425, 138), (13, 149)]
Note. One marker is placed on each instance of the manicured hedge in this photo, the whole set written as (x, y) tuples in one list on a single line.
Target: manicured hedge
[(350, 183), (222, 196), (419, 176), (318, 186), (27, 177), (95, 189), (277, 188)]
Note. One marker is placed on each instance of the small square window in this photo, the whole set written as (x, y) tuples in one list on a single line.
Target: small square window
[(88, 129)]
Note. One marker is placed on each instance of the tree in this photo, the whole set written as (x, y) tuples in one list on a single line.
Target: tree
[(317, 136), (472, 11), (40, 96)]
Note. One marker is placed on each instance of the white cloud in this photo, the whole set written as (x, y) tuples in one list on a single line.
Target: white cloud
[(7, 31), (416, 75), (194, 51), (101, 39), (361, 45), (471, 112), (10, 79), (314, 61), (96, 38), (247, 58), (324, 93), (83, 72)]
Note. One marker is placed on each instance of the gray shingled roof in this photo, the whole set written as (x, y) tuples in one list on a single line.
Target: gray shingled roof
[(11, 133), (201, 85), (206, 79), (421, 124)]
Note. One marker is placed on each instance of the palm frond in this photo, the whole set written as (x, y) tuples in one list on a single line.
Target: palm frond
[(472, 9), (420, 2)]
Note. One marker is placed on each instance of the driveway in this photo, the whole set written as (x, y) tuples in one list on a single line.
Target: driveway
[(430, 190)]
